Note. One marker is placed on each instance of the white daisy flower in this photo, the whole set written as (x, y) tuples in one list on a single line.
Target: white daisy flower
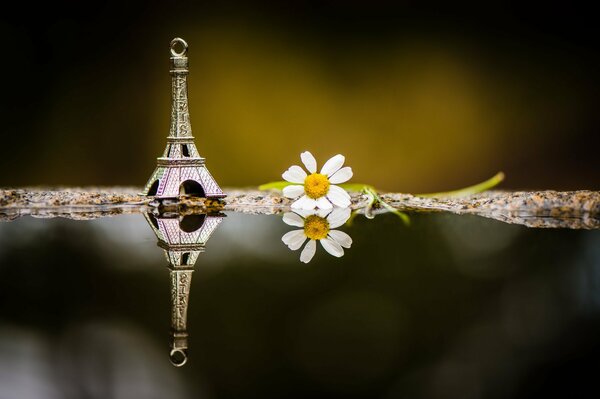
[(318, 190), (316, 226)]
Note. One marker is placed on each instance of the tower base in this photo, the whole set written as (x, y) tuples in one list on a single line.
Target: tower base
[(174, 181)]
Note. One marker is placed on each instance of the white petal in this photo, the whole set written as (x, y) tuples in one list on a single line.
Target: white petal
[(341, 238), (294, 239), (293, 191), (338, 217), (309, 203), (341, 176), (322, 212), (323, 203), (295, 174), (293, 219), (305, 203), (309, 161), (304, 213), (333, 165), (298, 203), (338, 196), (332, 247), (308, 252)]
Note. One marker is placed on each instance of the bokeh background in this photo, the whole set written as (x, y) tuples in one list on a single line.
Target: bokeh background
[(418, 98)]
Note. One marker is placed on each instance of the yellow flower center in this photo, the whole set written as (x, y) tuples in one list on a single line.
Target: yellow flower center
[(316, 185), (316, 227)]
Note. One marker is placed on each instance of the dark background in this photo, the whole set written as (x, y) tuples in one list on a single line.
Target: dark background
[(418, 98)]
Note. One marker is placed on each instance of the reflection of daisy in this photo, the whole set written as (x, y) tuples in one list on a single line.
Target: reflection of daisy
[(318, 190), (317, 226)]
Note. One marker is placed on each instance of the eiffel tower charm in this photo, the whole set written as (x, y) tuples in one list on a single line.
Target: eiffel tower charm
[(181, 169)]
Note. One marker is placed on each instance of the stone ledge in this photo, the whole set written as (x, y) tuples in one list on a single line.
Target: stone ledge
[(572, 209)]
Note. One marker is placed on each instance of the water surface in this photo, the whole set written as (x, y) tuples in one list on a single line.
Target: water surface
[(450, 306)]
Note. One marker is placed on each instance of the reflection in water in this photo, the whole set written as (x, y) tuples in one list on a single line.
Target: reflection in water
[(183, 238), (79, 303), (316, 226)]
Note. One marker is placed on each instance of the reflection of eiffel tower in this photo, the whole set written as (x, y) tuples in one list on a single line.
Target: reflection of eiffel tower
[(183, 238), (181, 169)]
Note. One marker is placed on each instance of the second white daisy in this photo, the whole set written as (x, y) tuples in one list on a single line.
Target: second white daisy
[(317, 225), (318, 190)]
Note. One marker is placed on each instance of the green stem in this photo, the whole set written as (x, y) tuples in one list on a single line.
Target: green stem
[(274, 185), (355, 187), (374, 197), (465, 192)]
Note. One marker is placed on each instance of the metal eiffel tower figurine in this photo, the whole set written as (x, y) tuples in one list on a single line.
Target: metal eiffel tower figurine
[(181, 170), (183, 238)]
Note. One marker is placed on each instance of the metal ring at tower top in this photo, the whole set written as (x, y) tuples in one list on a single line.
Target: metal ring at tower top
[(183, 44)]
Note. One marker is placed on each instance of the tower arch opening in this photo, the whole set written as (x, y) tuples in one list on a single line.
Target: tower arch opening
[(191, 223), (191, 187), (153, 221), (154, 188)]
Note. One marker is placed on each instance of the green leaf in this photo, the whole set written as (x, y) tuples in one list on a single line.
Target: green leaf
[(275, 185), (465, 192), (355, 187)]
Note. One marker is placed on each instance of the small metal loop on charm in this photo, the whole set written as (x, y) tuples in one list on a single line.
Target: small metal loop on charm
[(184, 46), (178, 357)]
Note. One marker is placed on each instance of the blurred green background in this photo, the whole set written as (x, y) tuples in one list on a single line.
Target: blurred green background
[(418, 98)]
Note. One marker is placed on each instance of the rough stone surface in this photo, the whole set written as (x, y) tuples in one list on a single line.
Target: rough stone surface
[(571, 209), (574, 209)]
